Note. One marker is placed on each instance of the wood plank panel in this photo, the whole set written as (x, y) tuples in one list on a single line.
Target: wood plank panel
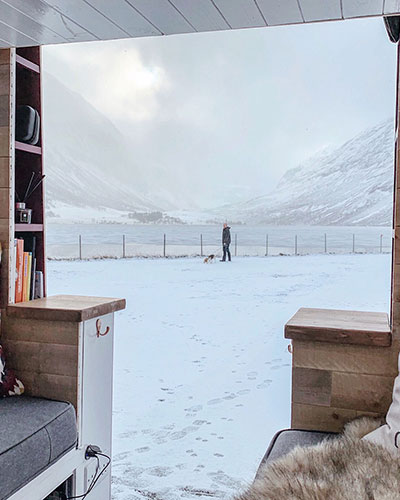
[(85, 15), (202, 15), (163, 15), (45, 15), (281, 12), (58, 332), (391, 7), (4, 105), (50, 386), (357, 8), (5, 206), (37, 357), (4, 141), (320, 418), (19, 21), (5, 177), (126, 17), (345, 358), (317, 10), (241, 13), (15, 38), (311, 386), (5, 81), (335, 326), (361, 392)]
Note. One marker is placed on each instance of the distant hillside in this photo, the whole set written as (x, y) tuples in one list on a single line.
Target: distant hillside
[(90, 169), (351, 185)]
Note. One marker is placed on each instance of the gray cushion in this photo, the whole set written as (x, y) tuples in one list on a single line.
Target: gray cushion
[(34, 433), (284, 441)]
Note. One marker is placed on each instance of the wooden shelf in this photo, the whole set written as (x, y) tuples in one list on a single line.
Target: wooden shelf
[(28, 148), (340, 327), (27, 64), (28, 228)]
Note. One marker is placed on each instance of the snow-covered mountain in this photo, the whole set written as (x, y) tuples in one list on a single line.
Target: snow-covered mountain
[(91, 172), (351, 185)]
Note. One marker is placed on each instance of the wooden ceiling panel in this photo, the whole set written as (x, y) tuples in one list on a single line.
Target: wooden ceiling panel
[(320, 10), (278, 12), (45, 15), (164, 15), (16, 19), (241, 13), (391, 7), (357, 8), (125, 16), (203, 15), (83, 14), (14, 37)]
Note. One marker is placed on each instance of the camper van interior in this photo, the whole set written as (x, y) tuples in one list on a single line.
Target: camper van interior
[(55, 439)]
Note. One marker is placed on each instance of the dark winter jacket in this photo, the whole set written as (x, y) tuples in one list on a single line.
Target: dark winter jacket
[(226, 236)]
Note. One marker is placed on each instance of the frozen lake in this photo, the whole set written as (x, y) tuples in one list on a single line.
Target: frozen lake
[(98, 240), (202, 371)]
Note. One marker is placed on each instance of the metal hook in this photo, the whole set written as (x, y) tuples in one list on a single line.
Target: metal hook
[(98, 328)]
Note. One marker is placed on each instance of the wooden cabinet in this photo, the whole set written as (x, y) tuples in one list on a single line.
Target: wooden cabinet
[(77, 334)]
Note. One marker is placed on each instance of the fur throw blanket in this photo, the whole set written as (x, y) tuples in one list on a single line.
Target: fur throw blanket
[(346, 468)]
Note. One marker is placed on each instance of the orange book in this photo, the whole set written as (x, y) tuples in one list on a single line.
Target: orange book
[(25, 277), (19, 271)]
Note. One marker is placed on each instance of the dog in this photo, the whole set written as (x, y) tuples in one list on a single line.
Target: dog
[(210, 259)]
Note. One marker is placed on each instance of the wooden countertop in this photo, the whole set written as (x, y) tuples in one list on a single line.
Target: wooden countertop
[(336, 326), (66, 308)]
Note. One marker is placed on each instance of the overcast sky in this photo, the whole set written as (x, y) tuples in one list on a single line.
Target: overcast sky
[(229, 112)]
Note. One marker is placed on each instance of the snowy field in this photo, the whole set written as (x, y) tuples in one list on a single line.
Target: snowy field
[(202, 371)]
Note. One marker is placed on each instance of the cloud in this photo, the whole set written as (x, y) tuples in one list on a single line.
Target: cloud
[(115, 80), (226, 114)]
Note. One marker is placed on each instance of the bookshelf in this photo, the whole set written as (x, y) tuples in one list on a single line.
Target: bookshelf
[(20, 84), (28, 158)]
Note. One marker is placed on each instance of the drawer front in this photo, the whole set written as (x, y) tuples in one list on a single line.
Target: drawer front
[(96, 392)]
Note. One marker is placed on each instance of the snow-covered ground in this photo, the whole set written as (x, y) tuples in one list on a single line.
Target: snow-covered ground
[(202, 371)]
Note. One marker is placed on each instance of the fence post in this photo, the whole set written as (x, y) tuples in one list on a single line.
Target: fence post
[(165, 244), (123, 247), (354, 243), (235, 245), (325, 244), (266, 245), (295, 245), (380, 244), (80, 247), (201, 245)]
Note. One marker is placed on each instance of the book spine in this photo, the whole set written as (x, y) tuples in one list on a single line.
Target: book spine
[(19, 271), (38, 285), (25, 277), (29, 277), (14, 271)]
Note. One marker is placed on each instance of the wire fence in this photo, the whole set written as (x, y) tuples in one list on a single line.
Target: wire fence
[(167, 247)]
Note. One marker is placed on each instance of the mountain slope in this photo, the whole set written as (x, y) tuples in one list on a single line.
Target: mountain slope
[(351, 185), (89, 165)]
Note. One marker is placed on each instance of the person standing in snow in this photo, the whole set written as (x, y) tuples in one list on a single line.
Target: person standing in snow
[(226, 241)]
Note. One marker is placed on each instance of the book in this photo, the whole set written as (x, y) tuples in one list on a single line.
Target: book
[(25, 277), (19, 271), (38, 285), (30, 246), (13, 277), (29, 277)]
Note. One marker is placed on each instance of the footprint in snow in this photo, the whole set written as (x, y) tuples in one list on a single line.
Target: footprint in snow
[(214, 401), (144, 449), (159, 471), (194, 408)]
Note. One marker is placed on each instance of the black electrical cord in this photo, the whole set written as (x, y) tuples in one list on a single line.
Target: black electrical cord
[(96, 475)]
